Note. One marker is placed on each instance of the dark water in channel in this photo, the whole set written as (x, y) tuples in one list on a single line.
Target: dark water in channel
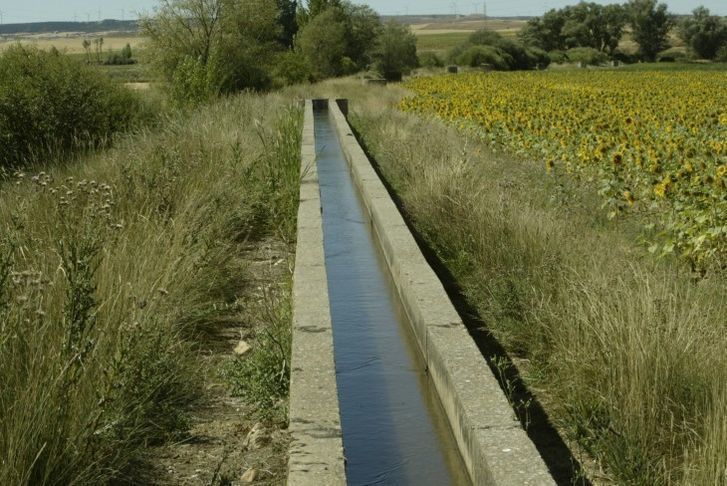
[(394, 431)]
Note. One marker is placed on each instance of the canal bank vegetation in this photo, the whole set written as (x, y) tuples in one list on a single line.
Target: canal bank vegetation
[(117, 268), (625, 351)]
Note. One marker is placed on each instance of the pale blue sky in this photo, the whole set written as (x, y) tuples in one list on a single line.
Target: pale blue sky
[(14, 11)]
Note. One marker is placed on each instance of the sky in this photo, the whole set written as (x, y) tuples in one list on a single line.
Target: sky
[(18, 11)]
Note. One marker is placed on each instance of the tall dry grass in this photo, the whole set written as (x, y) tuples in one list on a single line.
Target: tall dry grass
[(112, 266), (628, 353)]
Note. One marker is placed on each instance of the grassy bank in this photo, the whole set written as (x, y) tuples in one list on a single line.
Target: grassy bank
[(625, 352), (113, 266)]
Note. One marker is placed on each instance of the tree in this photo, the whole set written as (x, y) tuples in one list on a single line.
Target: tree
[(126, 54), (287, 18), (545, 32), (249, 40), (364, 27), (323, 41), (396, 51), (317, 7), (180, 29), (650, 23), (219, 46), (614, 20), (582, 25), (704, 33)]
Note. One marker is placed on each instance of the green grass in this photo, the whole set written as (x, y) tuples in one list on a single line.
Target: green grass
[(132, 73), (625, 351), (676, 66), (112, 266), (441, 43)]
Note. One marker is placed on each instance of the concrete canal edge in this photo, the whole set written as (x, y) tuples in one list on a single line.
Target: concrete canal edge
[(494, 447), (316, 449)]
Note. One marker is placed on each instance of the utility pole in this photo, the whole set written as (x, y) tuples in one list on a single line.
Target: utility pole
[(1, 17), (484, 9)]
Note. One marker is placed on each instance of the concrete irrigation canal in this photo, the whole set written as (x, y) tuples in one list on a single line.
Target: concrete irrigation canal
[(387, 386)]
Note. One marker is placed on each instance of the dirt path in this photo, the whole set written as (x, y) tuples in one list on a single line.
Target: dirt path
[(226, 444)]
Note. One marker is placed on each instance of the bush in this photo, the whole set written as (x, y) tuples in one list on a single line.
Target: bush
[(51, 104), (538, 56), (476, 56), (672, 55), (721, 54), (121, 58), (588, 56), (513, 53), (430, 60), (625, 57), (291, 68), (190, 83), (557, 57)]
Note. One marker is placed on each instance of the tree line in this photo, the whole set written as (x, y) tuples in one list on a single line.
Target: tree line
[(215, 47), (601, 27), (590, 33)]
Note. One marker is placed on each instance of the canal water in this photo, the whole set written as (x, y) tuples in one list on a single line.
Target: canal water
[(394, 430)]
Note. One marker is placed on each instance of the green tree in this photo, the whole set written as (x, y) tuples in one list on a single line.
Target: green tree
[(396, 51), (704, 33), (317, 7), (545, 32), (323, 41), (126, 54), (650, 23), (582, 25), (222, 45), (364, 27), (182, 29), (287, 18)]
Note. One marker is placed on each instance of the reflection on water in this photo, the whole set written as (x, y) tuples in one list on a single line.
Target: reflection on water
[(394, 431)]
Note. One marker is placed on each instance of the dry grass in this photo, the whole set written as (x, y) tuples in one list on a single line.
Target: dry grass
[(468, 25), (111, 266), (73, 43), (629, 351)]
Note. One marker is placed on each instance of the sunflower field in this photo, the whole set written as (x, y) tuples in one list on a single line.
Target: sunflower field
[(653, 143)]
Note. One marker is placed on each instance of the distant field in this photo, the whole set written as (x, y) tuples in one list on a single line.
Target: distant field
[(441, 36), (469, 25), (72, 44), (440, 42)]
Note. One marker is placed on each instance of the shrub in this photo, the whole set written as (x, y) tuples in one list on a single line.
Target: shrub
[(291, 67), (588, 56), (672, 55), (430, 60), (51, 104), (538, 56), (190, 83), (121, 58), (476, 56), (557, 57), (625, 57), (721, 54), (512, 52)]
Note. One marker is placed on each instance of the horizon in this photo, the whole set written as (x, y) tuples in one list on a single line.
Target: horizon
[(39, 11)]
